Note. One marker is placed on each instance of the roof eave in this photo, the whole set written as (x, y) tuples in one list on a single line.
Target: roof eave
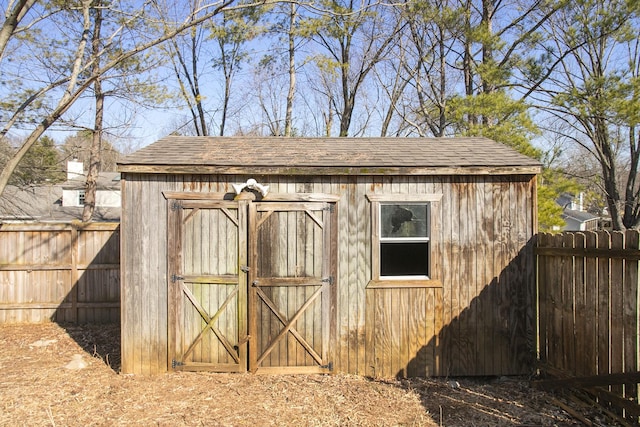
[(333, 170)]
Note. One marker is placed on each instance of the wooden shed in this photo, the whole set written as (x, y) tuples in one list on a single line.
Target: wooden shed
[(371, 256)]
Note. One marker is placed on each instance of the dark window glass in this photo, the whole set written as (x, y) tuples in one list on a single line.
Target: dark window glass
[(404, 258)]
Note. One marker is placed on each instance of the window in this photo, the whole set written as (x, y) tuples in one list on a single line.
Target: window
[(81, 197), (401, 240), (404, 240)]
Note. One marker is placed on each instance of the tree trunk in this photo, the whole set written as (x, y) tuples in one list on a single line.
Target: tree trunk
[(467, 62), (631, 218), (12, 19), (347, 106), (204, 131), (96, 142), (442, 96), (288, 118), (95, 154), (328, 120), (488, 9)]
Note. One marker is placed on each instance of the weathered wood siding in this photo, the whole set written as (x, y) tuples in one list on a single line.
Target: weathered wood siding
[(480, 321), (60, 272)]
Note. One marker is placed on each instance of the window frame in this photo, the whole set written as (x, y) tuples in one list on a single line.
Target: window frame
[(415, 281)]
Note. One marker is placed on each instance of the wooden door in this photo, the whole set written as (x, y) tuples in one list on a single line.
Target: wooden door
[(291, 263), (207, 285)]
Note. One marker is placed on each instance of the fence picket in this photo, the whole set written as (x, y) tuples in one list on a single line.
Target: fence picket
[(543, 241), (590, 365), (604, 281), (581, 316), (616, 289), (631, 323), (567, 295)]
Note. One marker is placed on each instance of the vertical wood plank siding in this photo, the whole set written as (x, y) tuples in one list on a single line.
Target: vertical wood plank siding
[(480, 321), (60, 272)]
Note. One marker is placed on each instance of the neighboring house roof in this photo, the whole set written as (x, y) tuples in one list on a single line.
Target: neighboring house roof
[(579, 216), (105, 181), (341, 156), (29, 203), (579, 220), (565, 199), (43, 203)]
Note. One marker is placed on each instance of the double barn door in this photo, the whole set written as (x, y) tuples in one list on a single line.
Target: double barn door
[(250, 285)]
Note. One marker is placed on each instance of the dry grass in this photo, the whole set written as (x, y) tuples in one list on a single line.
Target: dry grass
[(36, 389)]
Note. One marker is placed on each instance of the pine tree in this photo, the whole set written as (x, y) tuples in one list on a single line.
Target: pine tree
[(41, 164)]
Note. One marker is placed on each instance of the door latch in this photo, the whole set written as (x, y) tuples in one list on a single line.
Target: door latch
[(328, 280), (241, 342)]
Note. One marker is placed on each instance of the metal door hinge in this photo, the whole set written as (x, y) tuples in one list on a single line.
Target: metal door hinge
[(175, 364), (175, 278), (328, 280), (328, 366), (328, 208), (175, 205)]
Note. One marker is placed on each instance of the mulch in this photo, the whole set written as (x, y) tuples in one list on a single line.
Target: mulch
[(67, 375)]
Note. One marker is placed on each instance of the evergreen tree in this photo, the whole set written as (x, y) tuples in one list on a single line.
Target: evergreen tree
[(41, 164)]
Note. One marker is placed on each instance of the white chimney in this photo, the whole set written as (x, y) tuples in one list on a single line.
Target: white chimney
[(581, 202), (75, 169)]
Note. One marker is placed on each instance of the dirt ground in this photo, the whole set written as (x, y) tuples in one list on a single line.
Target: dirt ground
[(69, 376)]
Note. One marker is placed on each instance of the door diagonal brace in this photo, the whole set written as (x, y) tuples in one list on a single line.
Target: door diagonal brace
[(288, 326), (210, 321)]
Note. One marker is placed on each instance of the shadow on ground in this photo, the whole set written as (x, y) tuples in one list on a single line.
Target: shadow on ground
[(101, 341)]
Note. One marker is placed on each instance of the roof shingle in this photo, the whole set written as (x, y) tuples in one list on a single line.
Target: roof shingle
[(182, 154)]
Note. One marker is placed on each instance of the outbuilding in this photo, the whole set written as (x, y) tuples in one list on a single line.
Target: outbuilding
[(370, 256)]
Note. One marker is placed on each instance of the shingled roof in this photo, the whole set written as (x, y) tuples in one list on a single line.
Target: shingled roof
[(328, 156)]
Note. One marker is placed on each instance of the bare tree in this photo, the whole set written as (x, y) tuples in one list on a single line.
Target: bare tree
[(354, 38), (81, 73), (78, 146), (236, 27), (188, 56)]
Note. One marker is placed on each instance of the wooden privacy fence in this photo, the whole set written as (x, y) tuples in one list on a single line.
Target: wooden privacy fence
[(60, 272), (588, 287)]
